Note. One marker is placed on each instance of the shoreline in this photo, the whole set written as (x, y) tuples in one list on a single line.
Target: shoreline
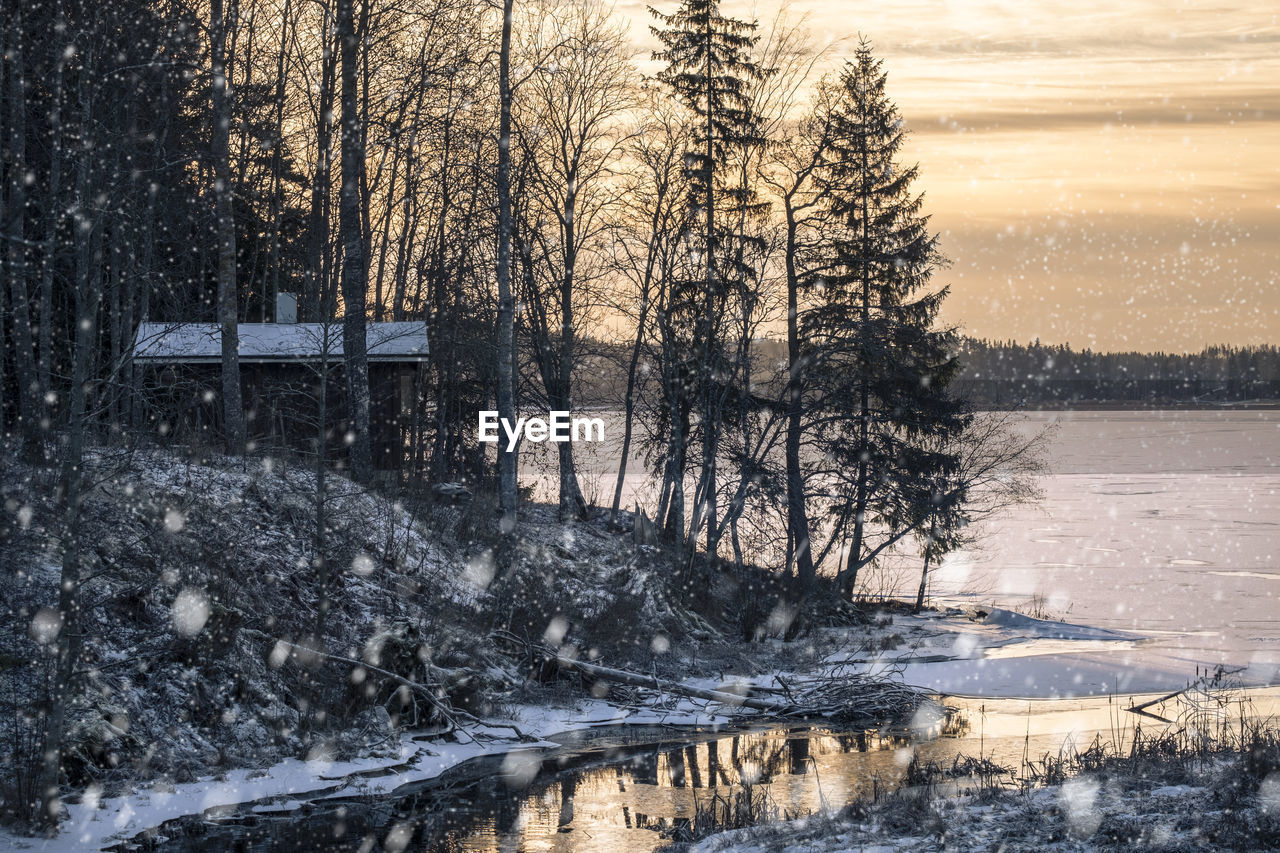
[(288, 785)]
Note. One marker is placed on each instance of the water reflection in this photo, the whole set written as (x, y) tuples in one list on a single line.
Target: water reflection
[(625, 790), (630, 803)]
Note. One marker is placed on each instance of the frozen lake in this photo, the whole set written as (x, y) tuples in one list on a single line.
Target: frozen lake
[(1166, 524)]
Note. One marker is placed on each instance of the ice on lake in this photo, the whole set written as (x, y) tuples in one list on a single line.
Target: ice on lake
[(1165, 524)]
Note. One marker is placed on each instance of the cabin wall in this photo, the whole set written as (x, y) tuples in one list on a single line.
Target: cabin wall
[(282, 407)]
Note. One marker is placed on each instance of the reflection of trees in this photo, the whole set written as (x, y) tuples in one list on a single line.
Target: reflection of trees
[(675, 769), (648, 790), (695, 772), (799, 752), (654, 790), (568, 788), (715, 773), (646, 769)]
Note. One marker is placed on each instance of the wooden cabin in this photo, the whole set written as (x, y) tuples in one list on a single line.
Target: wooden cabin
[(282, 366)]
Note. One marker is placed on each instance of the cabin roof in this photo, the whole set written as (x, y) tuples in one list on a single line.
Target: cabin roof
[(194, 343)]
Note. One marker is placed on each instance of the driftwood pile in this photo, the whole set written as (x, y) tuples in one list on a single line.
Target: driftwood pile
[(841, 696)]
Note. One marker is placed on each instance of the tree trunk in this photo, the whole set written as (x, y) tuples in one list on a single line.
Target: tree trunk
[(628, 407), (24, 365), (673, 526), (710, 412), (572, 504), (52, 219), (228, 300), (88, 295), (797, 517), (319, 559), (316, 305), (354, 279), (924, 572), (507, 486), (271, 281), (4, 339), (69, 640), (864, 391), (115, 337)]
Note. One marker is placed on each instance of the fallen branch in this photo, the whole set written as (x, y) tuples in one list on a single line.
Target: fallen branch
[(450, 713), (1205, 682), (1142, 709), (850, 698), (639, 680)]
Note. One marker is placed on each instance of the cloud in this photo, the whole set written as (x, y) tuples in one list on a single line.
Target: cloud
[(1045, 113), (1128, 46)]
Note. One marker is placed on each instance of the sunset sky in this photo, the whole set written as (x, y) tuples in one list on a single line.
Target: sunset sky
[(1103, 173)]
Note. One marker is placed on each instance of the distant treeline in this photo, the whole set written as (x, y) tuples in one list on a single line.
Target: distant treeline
[(1011, 373)]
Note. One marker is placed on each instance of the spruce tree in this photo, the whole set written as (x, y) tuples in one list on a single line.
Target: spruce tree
[(710, 71), (879, 363)]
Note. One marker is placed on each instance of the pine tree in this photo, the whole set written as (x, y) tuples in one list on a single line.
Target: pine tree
[(879, 363), (710, 72)]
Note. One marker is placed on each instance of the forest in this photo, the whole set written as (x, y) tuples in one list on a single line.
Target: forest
[(542, 195), (512, 177), (1005, 373)]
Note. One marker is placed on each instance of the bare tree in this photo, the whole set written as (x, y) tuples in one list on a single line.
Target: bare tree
[(1000, 462), (355, 281), (645, 241), (570, 142), (319, 214), (53, 213), (87, 295), (710, 69), (797, 146), (24, 358), (507, 485), (228, 298)]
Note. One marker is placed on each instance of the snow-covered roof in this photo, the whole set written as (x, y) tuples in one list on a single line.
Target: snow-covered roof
[(181, 343)]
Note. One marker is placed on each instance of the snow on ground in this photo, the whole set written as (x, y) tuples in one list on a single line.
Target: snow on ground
[(997, 653), (1170, 804), (962, 640), (189, 691), (99, 822), (1158, 539), (1003, 654)]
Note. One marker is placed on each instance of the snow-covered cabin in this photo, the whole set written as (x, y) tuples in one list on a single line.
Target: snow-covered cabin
[(281, 366)]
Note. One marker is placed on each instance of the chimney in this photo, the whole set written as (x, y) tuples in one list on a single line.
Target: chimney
[(286, 307)]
